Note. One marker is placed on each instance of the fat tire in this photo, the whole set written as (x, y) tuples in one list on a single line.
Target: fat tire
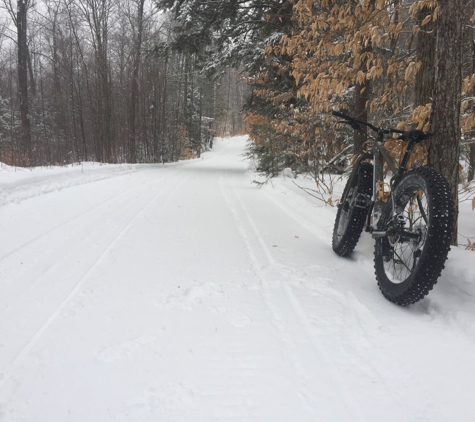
[(350, 218), (432, 251)]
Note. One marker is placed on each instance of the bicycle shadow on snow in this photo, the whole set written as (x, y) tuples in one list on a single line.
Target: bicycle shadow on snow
[(451, 301)]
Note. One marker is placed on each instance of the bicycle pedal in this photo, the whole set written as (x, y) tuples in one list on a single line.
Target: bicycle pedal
[(362, 200), (401, 220)]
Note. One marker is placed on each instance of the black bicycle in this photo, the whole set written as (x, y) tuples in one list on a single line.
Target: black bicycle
[(412, 224)]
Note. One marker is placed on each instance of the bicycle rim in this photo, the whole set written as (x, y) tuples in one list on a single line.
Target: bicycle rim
[(404, 248)]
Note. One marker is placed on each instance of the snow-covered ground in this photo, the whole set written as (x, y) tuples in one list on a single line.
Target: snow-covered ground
[(186, 293)]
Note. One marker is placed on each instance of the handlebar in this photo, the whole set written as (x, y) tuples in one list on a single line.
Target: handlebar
[(405, 135)]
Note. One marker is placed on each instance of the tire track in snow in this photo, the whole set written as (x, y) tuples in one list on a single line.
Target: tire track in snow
[(82, 280), (121, 209), (307, 225), (84, 214), (262, 258), (75, 244), (358, 311)]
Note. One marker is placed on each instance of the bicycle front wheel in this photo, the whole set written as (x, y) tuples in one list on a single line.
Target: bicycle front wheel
[(410, 259)]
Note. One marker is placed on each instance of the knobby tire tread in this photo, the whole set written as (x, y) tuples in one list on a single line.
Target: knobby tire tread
[(363, 183), (437, 244)]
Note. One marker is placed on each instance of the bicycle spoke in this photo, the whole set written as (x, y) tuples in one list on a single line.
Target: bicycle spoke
[(421, 207)]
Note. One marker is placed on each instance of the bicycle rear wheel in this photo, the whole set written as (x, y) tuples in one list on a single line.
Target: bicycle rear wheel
[(352, 211), (410, 259)]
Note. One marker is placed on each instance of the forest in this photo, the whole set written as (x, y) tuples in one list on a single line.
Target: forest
[(93, 80), (155, 80)]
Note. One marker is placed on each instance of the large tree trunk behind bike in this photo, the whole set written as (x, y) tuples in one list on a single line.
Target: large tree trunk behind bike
[(444, 148)]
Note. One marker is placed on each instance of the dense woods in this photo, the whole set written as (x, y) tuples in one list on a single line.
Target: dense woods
[(155, 80), (94, 80)]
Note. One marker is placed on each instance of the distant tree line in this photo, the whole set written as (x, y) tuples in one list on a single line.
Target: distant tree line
[(96, 80), (154, 80)]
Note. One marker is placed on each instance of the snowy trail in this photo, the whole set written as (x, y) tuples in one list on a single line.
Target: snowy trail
[(75, 279), (185, 293), (315, 370)]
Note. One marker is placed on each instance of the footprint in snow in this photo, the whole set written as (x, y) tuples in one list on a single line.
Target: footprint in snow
[(237, 319), (194, 295), (120, 351)]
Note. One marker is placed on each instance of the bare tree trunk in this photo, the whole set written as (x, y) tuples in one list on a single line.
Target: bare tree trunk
[(25, 130), (97, 13), (471, 152), (163, 114), (135, 84), (105, 101), (200, 120), (471, 171), (444, 148)]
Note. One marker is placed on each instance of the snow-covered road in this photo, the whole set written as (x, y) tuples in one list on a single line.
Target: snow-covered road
[(186, 293)]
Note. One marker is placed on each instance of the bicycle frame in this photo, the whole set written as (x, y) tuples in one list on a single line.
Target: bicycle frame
[(380, 155)]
